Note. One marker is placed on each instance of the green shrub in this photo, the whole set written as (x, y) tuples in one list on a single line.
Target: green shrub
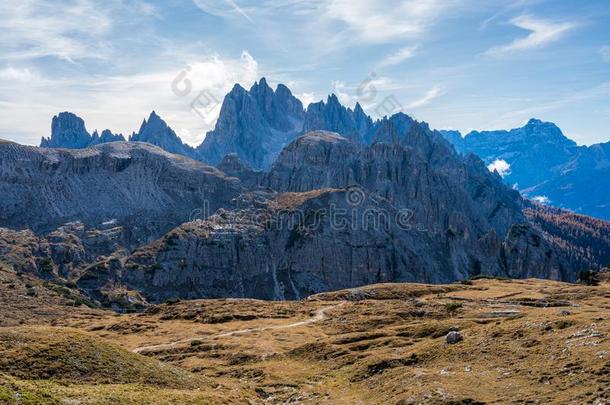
[(452, 307)]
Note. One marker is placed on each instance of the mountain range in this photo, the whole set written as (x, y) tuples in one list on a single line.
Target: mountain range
[(255, 124), (541, 162), (301, 201), (537, 159)]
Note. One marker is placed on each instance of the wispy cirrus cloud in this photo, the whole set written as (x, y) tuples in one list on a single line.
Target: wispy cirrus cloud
[(384, 21), (542, 33), (399, 56), (435, 92), (604, 51), (80, 29), (225, 8), (365, 21)]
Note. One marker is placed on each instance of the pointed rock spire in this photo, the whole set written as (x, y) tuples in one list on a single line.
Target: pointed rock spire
[(156, 131)]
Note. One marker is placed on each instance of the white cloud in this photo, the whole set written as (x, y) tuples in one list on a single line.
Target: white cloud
[(121, 102), (223, 8), (541, 199), (72, 30), (399, 56), (430, 95), (35, 28), (501, 166), (307, 98), (542, 33), (605, 53), (341, 91), (385, 20), (17, 74)]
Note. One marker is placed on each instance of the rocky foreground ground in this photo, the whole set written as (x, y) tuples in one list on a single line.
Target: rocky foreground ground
[(484, 341)]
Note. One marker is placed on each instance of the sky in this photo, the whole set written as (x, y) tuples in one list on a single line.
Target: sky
[(456, 64)]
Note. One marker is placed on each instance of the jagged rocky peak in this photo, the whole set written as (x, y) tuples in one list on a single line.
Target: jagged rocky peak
[(283, 113), (240, 128), (394, 129), (545, 130), (333, 116), (254, 124), (67, 131), (156, 131), (403, 130), (105, 137), (292, 105), (152, 128), (364, 123)]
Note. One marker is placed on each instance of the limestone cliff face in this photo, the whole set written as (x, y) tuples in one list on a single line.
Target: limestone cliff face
[(464, 208), (313, 161), (287, 249), (44, 188), (297, 244), (253, 124)]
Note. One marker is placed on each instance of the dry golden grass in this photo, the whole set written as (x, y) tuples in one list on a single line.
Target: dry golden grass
[(524, 341)]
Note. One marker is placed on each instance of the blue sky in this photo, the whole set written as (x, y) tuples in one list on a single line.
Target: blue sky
[(460, 64)]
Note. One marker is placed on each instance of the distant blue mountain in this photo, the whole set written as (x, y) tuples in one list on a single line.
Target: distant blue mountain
[(68, 131), (544, 164)]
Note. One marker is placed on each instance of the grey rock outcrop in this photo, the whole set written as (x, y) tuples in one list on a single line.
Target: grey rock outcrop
[(453, 337), (311, 162), (64, 252), (231, 165), (68, 131), (156, 131)]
